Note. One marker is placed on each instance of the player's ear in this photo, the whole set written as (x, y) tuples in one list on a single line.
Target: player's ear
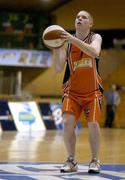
[(91, 24), (91, 21)]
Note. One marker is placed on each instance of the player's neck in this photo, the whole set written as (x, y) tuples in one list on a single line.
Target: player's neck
[(82, 35)]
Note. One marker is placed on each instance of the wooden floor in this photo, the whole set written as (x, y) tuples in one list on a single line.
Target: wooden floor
[(48, 146)]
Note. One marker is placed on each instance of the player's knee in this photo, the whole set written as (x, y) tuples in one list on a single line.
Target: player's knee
[(68, 120), (66, 123)]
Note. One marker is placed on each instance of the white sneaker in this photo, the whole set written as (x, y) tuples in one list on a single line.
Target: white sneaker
[(94, 166), (69, 166)]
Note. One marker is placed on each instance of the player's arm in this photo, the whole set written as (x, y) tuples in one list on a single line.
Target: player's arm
[(117, 99), (60, 56), (92, 49)]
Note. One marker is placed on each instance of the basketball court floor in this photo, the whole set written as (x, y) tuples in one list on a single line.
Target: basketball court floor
[(39, 155)]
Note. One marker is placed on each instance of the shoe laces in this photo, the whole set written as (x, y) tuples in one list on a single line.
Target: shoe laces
[(94, 163), (71, 160)]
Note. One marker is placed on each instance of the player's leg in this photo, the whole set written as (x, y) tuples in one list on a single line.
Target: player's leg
[(70, 142), (93, 112), (94, 140), (69, 133), (70, 113)]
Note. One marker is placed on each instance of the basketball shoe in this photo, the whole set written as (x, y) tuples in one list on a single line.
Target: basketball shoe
[(69, 166), (94, 166)]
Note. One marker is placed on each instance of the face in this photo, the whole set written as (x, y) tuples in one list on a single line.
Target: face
[(83, 19), (113, 87)]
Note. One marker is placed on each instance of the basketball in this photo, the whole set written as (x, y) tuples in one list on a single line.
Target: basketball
[(51, 36)]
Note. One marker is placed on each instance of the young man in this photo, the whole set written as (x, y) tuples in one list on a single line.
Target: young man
[(112, 98), (81, 87)]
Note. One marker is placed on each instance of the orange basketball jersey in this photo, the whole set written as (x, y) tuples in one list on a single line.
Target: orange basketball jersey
[(81, 75)]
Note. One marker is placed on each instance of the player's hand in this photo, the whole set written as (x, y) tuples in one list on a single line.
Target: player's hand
[(67, 36)]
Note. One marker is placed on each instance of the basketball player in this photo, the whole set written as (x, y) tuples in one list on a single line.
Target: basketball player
[(82, 90)]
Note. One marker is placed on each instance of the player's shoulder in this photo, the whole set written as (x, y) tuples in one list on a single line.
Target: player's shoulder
[(96, 36)]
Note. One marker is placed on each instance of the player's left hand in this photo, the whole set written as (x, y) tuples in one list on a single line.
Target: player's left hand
[(67, 36)]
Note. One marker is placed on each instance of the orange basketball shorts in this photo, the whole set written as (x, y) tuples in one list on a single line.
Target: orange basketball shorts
[(90, 106)]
